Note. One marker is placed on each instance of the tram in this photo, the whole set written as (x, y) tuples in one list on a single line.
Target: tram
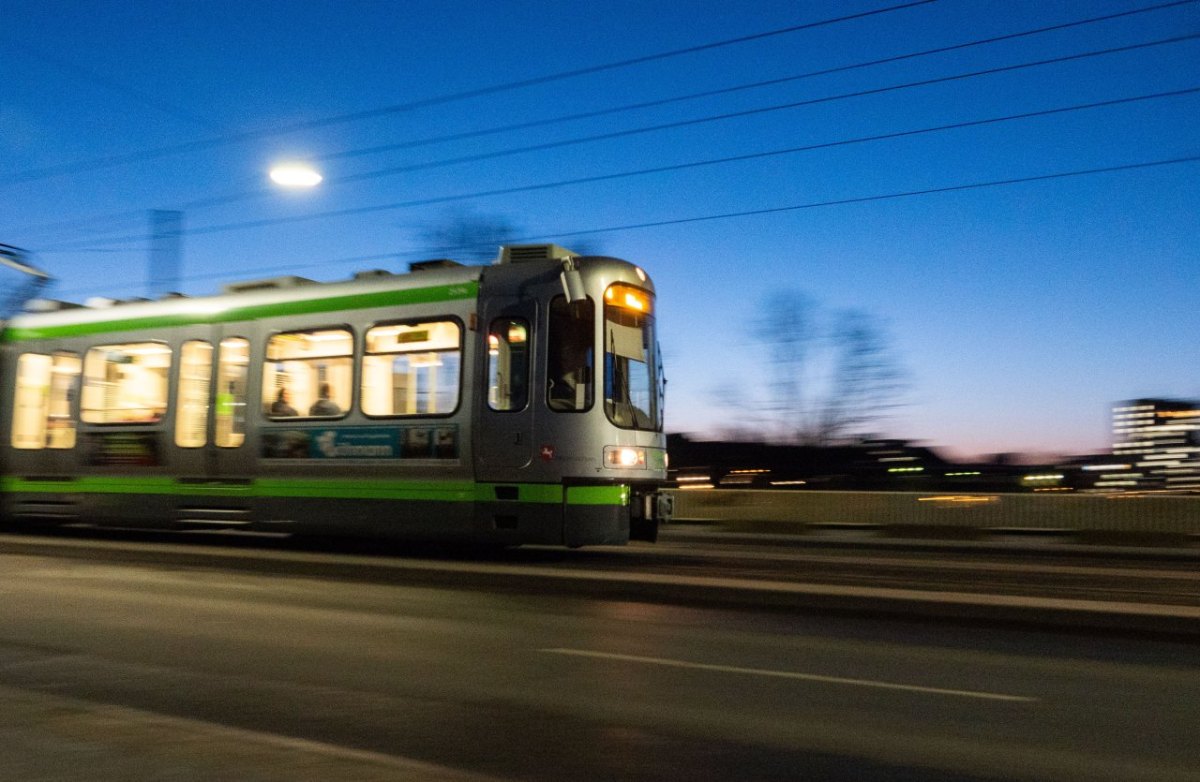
[(514, 403)]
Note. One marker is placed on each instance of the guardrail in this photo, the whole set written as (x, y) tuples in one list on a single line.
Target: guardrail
[(961, 514)]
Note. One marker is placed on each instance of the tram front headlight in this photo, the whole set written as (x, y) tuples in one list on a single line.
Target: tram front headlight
[(625, 458)]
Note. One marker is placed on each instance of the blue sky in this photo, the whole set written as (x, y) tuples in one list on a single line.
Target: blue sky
[(1020, 312)]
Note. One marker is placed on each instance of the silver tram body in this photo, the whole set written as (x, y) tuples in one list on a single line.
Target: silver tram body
[(513, 403)]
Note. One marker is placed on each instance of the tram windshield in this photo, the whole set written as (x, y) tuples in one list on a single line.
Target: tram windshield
[(631, 377)]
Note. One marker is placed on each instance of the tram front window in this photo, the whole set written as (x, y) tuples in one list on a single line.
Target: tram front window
[(631, 392)]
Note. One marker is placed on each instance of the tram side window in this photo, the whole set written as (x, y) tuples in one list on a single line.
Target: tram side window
[(191, 397), (64, 386), (508, 364), (42, 402), (308, 373), (571, 347), (125, 383), (412, 369), (232, 363)]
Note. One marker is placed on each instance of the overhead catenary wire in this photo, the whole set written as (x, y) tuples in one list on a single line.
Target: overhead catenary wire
[(264, 222), (1059, 175), (696, 164), (89, 74), (593, 114), (110, 161), (233, 197), (887, 196), (608, 136)]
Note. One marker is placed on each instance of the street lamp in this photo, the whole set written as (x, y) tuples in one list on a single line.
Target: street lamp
[(295, 175)]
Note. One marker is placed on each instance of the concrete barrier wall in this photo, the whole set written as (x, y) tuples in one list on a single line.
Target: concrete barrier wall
[(1145, 514)]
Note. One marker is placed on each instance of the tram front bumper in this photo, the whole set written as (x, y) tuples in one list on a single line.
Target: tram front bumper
[(647, 511)]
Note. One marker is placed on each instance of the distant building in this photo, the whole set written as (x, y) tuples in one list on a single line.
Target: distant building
[(1156, 446)]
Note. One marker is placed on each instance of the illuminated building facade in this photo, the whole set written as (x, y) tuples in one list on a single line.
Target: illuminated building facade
[(1156, 446)]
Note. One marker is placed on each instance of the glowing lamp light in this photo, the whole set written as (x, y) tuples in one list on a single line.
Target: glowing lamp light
[(625, 458), (628, 457), (295, 175), (628, 297)]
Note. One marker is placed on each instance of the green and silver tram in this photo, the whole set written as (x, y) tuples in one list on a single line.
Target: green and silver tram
[(519, 402)]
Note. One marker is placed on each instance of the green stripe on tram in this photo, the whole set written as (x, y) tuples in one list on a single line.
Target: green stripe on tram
[(205, 314), (536, 493), (365, 489), (91, 485), (598, 495)]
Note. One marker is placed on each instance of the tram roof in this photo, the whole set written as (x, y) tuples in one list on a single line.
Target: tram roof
[(254, 300), (426, 282)]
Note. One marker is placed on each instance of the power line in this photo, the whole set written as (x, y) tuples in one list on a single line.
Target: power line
[(87, 74), (475, 158), (676, 167), (885, 197), (583, 180), (440, 100), (766, 211), (243, 195), (461, 136)]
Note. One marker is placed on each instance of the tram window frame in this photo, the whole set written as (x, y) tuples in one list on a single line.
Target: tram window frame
[(47, 429), (566, 357), (508, 388), (341, 389), (230, 428), (192, 394), (151, 411), (368, 371)]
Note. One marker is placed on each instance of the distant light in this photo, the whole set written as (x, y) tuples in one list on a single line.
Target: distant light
[(295, 175), (967, 499), (1052, 476)]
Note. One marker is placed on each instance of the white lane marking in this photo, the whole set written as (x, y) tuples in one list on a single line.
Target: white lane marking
[(811, 677)]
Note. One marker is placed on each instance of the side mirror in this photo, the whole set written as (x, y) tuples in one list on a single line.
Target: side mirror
[(572, 282)]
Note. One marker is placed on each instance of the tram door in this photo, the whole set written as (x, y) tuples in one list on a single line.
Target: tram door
[(211, 405), (505, 440)]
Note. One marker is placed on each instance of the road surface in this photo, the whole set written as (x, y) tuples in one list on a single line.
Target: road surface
[(115, 666)]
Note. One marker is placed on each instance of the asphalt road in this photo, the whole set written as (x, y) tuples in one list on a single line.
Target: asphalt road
[(131, 670)]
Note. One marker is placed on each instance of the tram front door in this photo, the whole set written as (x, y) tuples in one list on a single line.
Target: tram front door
[(507, 411)]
